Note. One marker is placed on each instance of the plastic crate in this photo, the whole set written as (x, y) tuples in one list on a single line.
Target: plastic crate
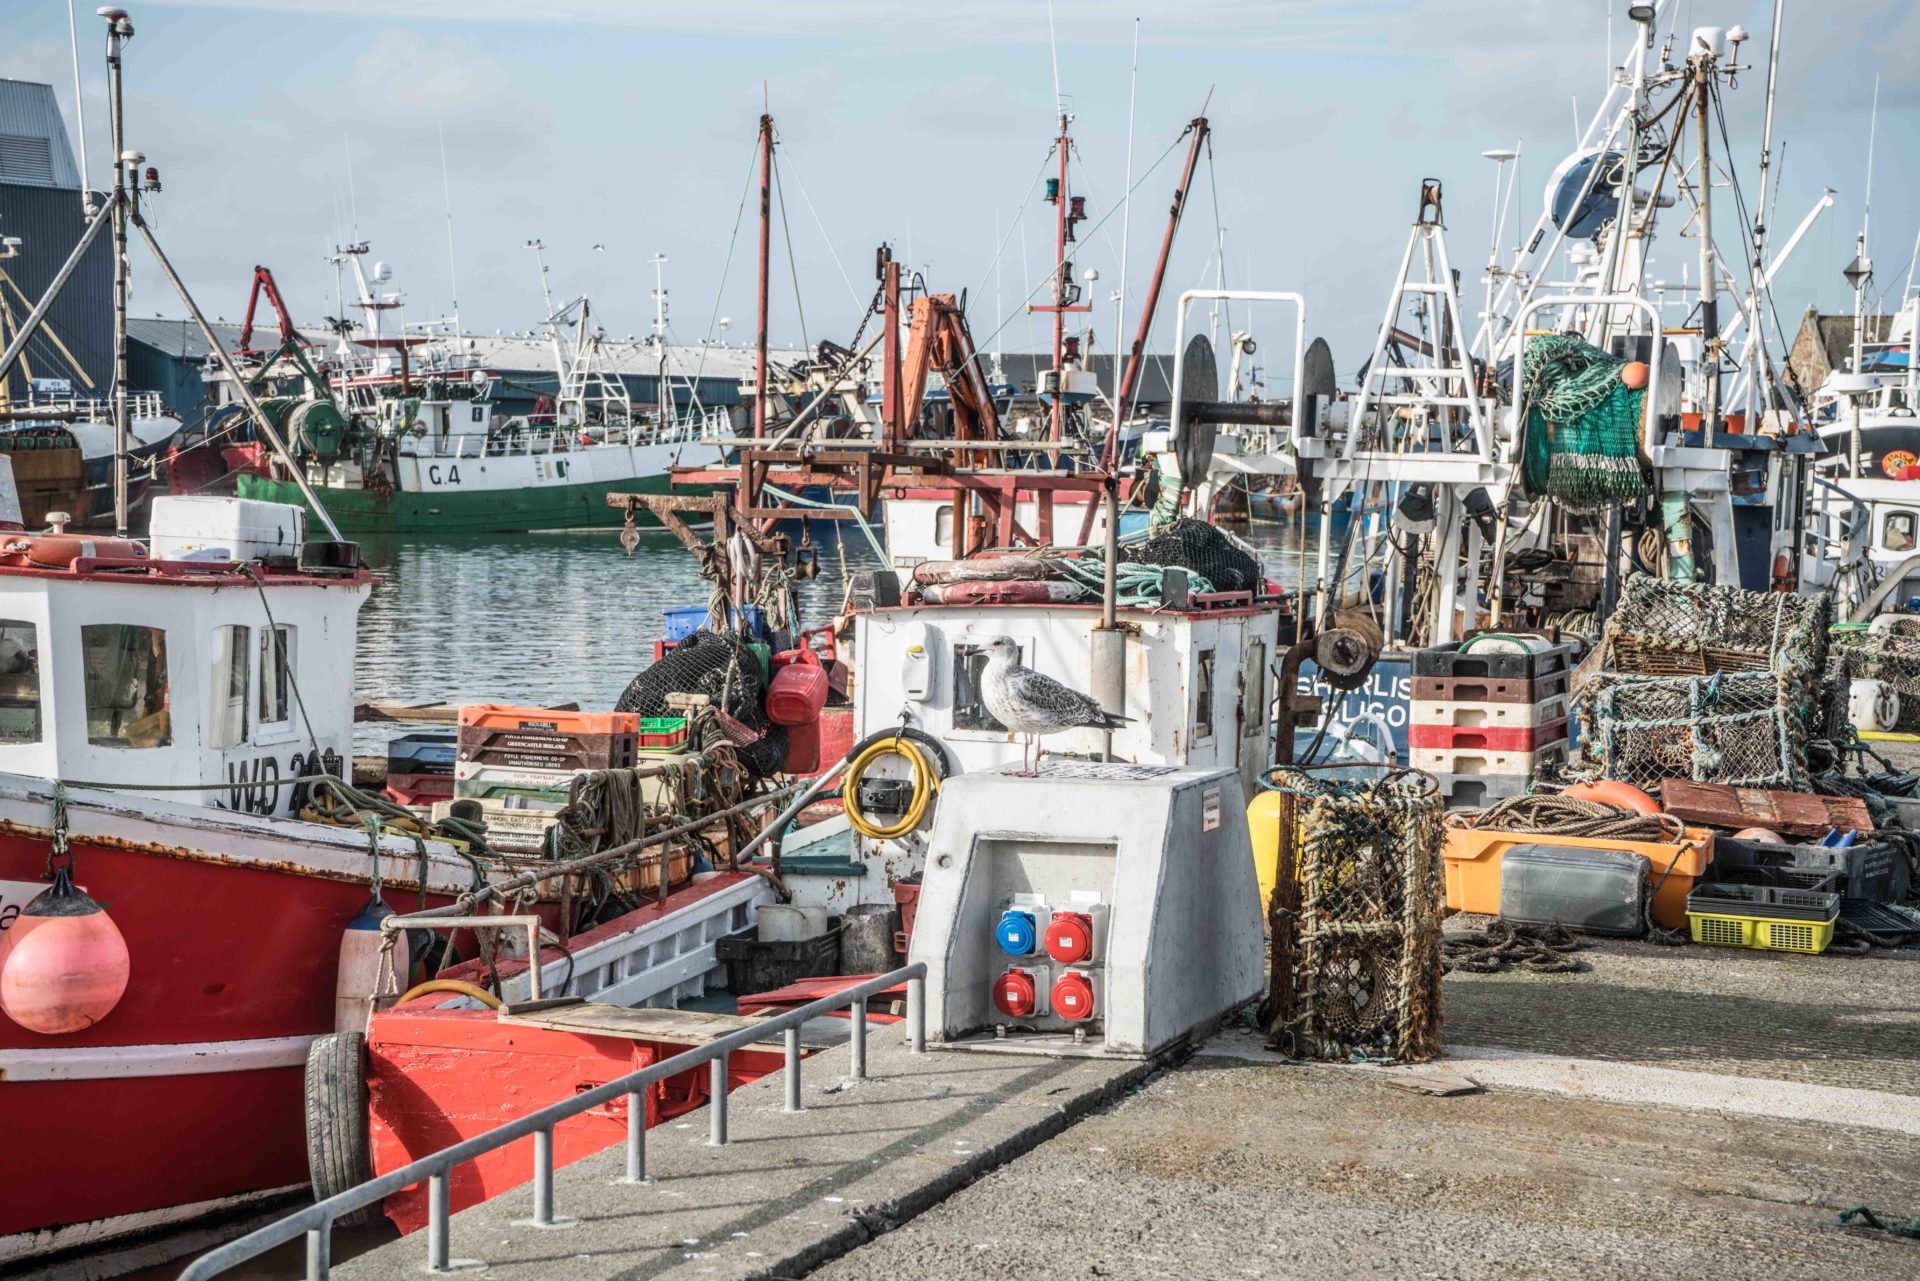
[(662, 731), (1465, 714), (419, 789), (1473, 856), (1450, 661), (1486, 738), (756, 966), (546, 720), (1477, 760), (1481, 689), (1763, 917), (1871, 870), (539, 749), (421, 754), (1477, 791), (684, 621)]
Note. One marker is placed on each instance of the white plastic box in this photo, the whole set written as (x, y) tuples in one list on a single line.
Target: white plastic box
[(193, 527)]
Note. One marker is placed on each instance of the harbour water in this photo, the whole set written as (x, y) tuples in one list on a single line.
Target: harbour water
[(548, 619)]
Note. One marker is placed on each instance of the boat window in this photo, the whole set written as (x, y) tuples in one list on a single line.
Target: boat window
[(943, 525), (1897, 531), (126, 680), (227, 721), (19, 682), (1253, 712), (276, 674), (1203, 696), (969, 712)]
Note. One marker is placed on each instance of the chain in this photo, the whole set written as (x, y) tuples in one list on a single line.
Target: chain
[(59, 852)]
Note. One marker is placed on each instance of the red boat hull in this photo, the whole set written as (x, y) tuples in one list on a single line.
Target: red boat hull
[(189, 1090)]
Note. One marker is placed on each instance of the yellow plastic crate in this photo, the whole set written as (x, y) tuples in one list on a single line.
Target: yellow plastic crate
[(1763, 933)]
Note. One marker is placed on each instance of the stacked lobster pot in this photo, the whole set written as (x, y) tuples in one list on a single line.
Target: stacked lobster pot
[(1489, 715), (1708, 684)]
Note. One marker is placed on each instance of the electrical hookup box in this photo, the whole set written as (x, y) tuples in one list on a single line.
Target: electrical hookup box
[(1099, 909)]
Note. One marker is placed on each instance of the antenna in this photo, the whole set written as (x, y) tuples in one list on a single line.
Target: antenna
[(1126, 223), (353, 201), (446, 192), (1873, 127), (1053, 48), (80, 114)]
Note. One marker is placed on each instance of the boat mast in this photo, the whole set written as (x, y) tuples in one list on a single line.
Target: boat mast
[(119, 27), (760, 333), (1136, 354), (667, 412), (1703, 68)]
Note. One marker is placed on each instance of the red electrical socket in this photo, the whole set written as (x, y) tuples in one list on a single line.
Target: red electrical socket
[(1014, 994), (1073, 997), (1069, 937)]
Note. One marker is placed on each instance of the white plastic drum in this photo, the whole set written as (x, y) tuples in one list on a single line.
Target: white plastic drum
[(1873, 705)]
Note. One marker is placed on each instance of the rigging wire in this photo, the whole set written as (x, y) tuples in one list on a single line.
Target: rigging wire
[(831, 252), (793, 267), (720, 290), (981, 344), (1013, 226)]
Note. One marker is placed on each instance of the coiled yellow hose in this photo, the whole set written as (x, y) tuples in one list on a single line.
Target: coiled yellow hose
[(925, 783)]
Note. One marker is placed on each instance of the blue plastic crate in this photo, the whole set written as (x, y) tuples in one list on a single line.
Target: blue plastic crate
[(422, 753), (684, 622)]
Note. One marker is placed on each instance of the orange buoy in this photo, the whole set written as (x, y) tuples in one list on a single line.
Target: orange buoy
[(1765, 836), (63, 963), (1634, 374), (1613, 792)]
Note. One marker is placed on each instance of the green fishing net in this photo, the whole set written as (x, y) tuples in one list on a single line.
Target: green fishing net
[(1583, 425)]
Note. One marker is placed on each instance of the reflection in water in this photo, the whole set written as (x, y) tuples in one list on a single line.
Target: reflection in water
[(545, 619)]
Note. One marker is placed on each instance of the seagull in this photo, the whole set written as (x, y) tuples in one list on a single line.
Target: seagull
[(1031, 704)]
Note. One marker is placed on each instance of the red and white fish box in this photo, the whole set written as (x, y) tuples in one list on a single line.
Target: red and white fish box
[(1456, 714), (1480, 760), (1487, 738)]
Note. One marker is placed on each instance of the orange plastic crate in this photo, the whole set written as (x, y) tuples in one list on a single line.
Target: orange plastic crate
[(1473, 857), (542, 720)]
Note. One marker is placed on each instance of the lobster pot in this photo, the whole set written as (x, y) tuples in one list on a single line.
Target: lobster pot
[(1890, 656), (1741, 729), (1665, 628), (1366, 974)]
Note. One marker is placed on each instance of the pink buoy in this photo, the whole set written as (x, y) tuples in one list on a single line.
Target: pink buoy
[(63, 962), (1765, 836)]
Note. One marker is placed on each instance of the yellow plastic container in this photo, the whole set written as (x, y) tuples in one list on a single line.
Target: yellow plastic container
[(1473, 857), (1263, 825), (1767, 934)]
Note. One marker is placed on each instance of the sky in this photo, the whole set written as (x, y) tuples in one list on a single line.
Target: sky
[(615, 130)]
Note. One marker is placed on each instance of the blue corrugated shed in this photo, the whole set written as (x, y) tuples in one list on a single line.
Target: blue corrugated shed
[(40, 206), (34, 150)]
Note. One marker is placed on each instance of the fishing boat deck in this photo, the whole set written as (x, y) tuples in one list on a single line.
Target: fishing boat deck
[(1662, 1113)]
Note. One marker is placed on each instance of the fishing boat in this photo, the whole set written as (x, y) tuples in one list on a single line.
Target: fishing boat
[(424, 447)]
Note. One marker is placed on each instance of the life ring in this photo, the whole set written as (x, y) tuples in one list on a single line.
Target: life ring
[(1609, 791), (59, 551), (1005, 592), (981, 569)]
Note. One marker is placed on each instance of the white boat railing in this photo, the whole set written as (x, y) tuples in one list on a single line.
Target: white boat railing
[(540, 441), (316, 1221), (91, 409)]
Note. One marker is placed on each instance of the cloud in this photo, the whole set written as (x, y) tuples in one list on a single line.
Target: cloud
[(401, 71)]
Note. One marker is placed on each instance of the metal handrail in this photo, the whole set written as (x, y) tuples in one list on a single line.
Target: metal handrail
[(316, 1221)]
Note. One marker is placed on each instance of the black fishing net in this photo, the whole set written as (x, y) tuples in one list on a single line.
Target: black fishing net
[(724, 669), (719, 666), (1205, 549)]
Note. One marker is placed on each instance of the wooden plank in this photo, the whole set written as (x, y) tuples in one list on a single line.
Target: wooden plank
[(1789, 813), (679, 1027), (408, 713)]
